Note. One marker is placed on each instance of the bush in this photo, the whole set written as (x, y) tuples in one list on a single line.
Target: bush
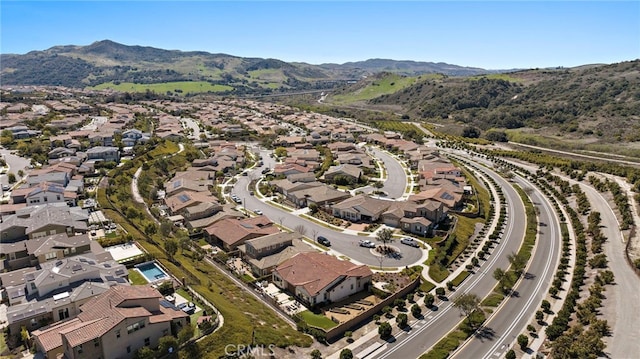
[(429, 299), (510, 354), (416, 311), (346, 354), (546, 306), (402, 320), (399, 303), (523, 341), (385, 330), (440, 292)]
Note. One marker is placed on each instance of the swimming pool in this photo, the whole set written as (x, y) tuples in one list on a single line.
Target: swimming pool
[(152, 271)]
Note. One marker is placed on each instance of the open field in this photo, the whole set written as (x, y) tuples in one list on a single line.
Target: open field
[(184, 86), (387, 85)]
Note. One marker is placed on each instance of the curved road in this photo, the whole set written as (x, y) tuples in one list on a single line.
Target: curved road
[(517, 311), (427, 332), (344, 243)]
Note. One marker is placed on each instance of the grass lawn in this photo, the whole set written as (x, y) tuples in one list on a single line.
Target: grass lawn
[(492, 300), (317, 320), (389, 84), (136, 277), (460, 278)]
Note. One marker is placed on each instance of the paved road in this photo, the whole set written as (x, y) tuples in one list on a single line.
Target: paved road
[(396, 181), (344, 243), (428, 331), (15, 163), (517, 312), (624, 297)]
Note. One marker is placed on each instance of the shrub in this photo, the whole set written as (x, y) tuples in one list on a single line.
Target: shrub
[(385, 330), (539, 316), (402, 320), (440, 292), (346, 354), (523, 341), (416, 311), (510, 354), (399, 303), (546, 306), (428, 300)]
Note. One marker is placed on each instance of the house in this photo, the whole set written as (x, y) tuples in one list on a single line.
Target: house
[(317, 278), (103, 153), (228, 211), (360, 208), (61, 152), (434, 211), (349, 173), (187, 184), (182, 200), (447, 197), (44, 220), (416, 225), (290, 169), (230, 233), (263, 254), (31, 252), (134, 136), (320, 196), (113, 325), (43, 193)]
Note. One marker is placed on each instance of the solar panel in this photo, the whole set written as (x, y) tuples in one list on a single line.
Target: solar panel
[(446, 196), (107, 265), (183, 198), (177, 184)]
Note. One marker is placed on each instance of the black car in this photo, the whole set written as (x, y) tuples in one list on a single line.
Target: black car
[(324, 241)]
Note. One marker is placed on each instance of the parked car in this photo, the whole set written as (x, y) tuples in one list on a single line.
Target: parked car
[(410, 242), (266, 170), (258, 212), (6, 187), (245, 173), (366, 243), (324, 241)]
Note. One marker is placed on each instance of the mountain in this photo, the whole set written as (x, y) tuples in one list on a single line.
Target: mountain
[(110, 64), (588, 104)]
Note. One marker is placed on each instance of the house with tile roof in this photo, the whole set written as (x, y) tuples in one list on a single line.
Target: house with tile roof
[(263, 254), (44, 220), (360, 208), (317, 278), (230, 233), (113, 325)]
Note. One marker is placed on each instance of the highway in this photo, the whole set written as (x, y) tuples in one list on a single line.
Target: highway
[(435, 325)]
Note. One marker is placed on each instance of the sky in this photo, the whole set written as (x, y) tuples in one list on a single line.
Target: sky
[(490, 35)]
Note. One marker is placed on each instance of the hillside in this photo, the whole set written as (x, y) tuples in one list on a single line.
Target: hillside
[(594, 103), (107, 64)]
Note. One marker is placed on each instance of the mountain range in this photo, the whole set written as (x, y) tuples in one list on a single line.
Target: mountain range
[(110, 64)]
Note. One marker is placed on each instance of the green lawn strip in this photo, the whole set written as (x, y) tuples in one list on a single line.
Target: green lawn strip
[(482, 193), (315, 220), (460, 278), (280, 206), (136, 277), (446, 345), (492, 300), (438, 273), (317, 320), (426, 286)]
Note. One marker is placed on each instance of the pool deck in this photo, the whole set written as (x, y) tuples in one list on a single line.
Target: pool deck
[(124, 251)]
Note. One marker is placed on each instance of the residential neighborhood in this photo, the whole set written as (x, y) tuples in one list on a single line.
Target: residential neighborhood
[(58, 218)]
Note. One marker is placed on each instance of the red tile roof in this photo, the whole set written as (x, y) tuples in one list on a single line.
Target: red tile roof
[(315, 271)]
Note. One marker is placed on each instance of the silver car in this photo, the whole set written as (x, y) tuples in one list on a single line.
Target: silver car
[(410, 242)]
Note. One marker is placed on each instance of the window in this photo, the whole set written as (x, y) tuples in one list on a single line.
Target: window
[(63, 313), (118, 333), (135, 327), (129, 349), (50, 255), (96, 343), (147, 341), (79, 347)]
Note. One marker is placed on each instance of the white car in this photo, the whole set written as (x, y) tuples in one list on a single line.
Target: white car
[(258, 212), (410, 242), (366, 243)]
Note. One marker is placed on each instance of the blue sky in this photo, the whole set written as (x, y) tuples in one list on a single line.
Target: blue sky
[(492, 35)]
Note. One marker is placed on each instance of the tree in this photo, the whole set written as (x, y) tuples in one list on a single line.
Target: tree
[(167, 344), (523, 341), (316, 354), (21, 173), (440, 292), (385, 330), (518, 262), (377, 184), (150, 229), (467, 304), (185, 334), (384, 236), (539, 316), (416, 311), (471, 132), (546, 306), (280, 152), (301, 229), (402, 320), (346, 354), (510, 354), (348, 334), (11, 177), (387, 311), (171, 246), (429, 299), (144, 353), (399, 303)]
